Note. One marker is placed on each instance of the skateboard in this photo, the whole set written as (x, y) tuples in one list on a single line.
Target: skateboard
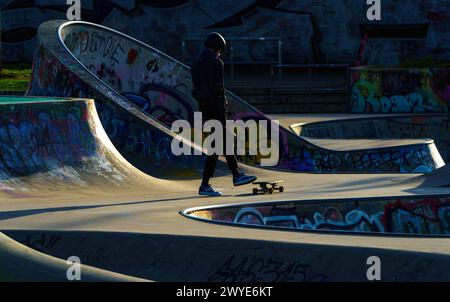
[(268, 187)]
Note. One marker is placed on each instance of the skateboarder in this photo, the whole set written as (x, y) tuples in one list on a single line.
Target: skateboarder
[(207, 77)]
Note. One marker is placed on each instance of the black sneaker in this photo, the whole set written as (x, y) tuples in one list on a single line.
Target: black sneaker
[(208, 191), (243, 179)]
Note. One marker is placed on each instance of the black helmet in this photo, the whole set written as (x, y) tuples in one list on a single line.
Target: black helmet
[(215, 41)]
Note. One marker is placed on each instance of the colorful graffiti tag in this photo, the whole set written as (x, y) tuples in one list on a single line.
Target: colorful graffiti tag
[(34, 136), (53, 136), (405, 215), (146, 147), (376, 90)]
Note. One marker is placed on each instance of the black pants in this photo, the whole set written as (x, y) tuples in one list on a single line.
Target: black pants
[(210, 113)]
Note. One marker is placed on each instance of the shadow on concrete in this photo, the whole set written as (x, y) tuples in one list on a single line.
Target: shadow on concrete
[(23, 213), (181, 258)]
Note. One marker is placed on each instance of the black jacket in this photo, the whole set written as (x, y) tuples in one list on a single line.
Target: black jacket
[(207, 77)]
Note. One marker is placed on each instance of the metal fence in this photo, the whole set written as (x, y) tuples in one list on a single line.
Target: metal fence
[(310, 87), (232, 44)]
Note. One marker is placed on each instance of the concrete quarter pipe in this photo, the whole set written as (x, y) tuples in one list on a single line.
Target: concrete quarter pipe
[(138, 88), (48, 144), (62, 138)]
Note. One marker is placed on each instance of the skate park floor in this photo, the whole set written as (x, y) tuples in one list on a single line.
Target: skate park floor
[(150, 210)]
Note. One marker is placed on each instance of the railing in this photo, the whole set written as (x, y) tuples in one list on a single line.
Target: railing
[(277, 67), (311, 68), (231, 44)]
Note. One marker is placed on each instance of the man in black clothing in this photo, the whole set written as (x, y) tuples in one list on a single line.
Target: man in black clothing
[(207, 77)]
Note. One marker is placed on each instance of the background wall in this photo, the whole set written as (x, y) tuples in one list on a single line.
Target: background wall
[(396, 90), (312, 31)]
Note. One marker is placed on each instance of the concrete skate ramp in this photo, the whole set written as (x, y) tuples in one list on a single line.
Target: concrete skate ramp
[(408, 216), (19, 263), (410, 126), (140, 91), (51, 146)]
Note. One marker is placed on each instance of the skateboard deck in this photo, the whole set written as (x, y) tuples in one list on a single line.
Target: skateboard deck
[(268, 187)]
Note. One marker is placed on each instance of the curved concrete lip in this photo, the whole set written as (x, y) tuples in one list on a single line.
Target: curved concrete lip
[(198, 214), (362, 118), (330, 130), (297, 127), (19, 263)]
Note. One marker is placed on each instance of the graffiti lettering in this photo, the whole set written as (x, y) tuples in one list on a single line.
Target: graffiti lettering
[(254, 269), (425, 216)]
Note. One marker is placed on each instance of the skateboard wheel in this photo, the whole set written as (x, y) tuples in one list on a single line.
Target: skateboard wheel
[(255, 191), (281, 189), (270, 191)]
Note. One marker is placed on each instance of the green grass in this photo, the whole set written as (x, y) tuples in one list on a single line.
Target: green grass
[(15, 77)]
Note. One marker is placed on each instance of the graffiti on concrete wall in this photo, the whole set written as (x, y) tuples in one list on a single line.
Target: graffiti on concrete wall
[(161, 87), (422, 215), (43, 137), (409, 159), (236, 265), (392, 127), (52, 138), (132, 138), (311, 31), (49, 79), (144, 146), (257, 269), (400, 90), (143, 77)]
